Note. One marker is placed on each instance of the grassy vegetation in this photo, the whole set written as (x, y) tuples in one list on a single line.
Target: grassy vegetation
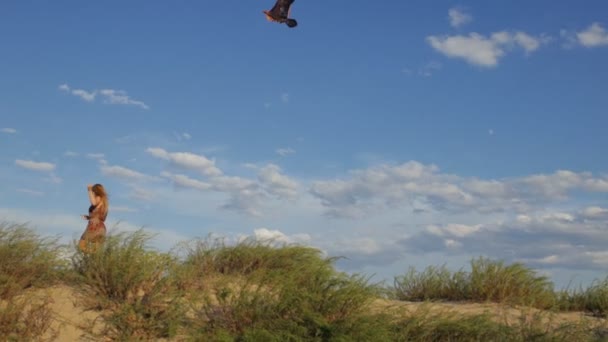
[(260, 291), (488, 281), (132, 287), (594, 299), (26, 261)]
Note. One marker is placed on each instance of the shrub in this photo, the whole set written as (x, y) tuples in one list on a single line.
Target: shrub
[(27, 260), (487, 281), (131, 286), (284, 294)]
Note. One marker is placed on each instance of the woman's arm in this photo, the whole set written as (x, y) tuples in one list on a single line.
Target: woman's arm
[(92, 197)]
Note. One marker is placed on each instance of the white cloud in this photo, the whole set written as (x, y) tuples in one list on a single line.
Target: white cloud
[(187, 160), (31, 192), (184, 181), (595, 213), (83, 94), (379, 188), (459, 17), (536, 239), (594, 36), (35, 166), (141, 194), (125, 173), (285, 97), (276, 183), (485, 51), (120, 97), (110, 96), (267, 235), (8, 130), (285, 151)]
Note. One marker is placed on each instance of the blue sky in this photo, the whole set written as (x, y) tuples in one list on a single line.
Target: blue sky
[(411, 135)]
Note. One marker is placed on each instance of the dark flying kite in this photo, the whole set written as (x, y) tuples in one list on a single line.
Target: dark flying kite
[(280, 13)]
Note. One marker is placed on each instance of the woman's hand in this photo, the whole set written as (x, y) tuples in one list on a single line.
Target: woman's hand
[(90, 187)]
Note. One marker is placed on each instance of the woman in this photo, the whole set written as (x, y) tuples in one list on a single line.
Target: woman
[(95, 232)]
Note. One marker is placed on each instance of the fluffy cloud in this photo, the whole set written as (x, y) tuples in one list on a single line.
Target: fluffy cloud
[(35, 166), (267, 235), (485, 51), (243, 195), (594, 36), (391, 186), (558, 239)]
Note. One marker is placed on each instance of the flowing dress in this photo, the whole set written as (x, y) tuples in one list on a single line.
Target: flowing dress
[(96, 228)]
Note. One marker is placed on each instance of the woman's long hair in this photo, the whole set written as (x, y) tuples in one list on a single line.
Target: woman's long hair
[(100, 191)]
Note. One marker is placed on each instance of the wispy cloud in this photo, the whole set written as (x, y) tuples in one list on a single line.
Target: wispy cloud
[(70, 154), (458, 17), (83, 94), (183, 136), (35, 166), (276, 183), (285, 97), (123, 209), (31, 192), (285, 151), (120, 97), (110, 96), (126, 174), (8, 130), (429, 69), (184, 181), (485, 51), (187, 160)]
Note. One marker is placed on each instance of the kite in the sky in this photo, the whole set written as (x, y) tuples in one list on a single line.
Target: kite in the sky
[(280, 13)]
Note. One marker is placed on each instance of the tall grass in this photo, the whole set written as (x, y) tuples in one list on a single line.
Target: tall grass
[(488, 280), (27, 259), (593, 299), (262, 291), (288, 293), (425, 325), (131, 286)]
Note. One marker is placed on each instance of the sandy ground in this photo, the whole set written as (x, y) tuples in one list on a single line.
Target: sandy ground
[(69, 317)]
